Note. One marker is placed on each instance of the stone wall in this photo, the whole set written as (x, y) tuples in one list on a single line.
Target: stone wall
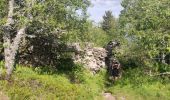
[(93, 58)]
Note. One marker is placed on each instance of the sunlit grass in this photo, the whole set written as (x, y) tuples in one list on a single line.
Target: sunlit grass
[(138, 86), (26, 83), (29, 83)]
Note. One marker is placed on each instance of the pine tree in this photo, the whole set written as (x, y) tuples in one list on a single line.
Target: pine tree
[(109, 22)]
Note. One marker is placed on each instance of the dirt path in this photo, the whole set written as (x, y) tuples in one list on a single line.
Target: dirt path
[(109, 96), (3, 96)]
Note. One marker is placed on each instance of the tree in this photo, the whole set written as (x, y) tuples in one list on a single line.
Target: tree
[(36, 16), (109, 22), (146, 23)]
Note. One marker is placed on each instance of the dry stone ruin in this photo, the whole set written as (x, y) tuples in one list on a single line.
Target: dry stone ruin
[(93, 58)]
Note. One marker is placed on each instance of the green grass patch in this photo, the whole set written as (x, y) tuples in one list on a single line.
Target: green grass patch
[(80, 84), (135, 85), (29, 84)]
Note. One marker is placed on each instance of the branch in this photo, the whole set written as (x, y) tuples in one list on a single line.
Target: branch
[(10, 20), (165, 73), (17, 40)]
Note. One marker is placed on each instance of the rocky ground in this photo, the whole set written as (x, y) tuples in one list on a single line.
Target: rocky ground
[(3, 96), (109, 96)]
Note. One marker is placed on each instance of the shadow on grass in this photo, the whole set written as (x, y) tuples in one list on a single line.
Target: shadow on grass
[(66, 67)]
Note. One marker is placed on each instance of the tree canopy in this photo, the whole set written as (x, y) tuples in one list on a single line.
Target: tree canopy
[(147, 24)]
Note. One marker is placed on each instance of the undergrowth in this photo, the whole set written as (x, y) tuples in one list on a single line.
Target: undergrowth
[(30, 83), (137, 85), (78, 83)]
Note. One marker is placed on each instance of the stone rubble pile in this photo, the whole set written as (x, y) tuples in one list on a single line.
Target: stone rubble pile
[(93, 58)]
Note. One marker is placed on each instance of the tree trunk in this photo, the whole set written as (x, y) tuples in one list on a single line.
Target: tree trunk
[(7, 37), (163, 58), (9, 62), (11, 51), (11, 46)]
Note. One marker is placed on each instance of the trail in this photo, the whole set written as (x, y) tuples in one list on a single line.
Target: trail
[(109, 96), (3, 96)]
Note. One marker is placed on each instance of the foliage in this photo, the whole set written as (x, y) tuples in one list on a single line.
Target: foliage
[(50, 24), (145, 24), (144, 34), (109, 22), (3, 12), (136, 84), (98, 36)]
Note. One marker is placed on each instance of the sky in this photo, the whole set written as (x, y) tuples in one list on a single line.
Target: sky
[(99, 7)]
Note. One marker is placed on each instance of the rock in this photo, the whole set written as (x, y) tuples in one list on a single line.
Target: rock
[(108, 96), (92, 57), (3, 96)]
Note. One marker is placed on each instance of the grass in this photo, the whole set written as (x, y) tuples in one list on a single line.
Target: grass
[(33, 84), (135, 85), (29, 84)]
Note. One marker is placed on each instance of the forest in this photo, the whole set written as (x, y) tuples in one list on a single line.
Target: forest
[(52, 50)]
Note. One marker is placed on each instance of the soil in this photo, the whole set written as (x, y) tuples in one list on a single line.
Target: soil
[(3, 96), (109, 96)]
